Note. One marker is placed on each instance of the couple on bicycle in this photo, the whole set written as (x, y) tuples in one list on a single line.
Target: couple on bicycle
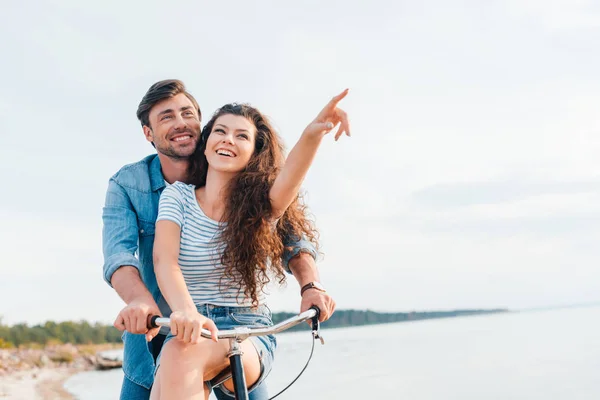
[(196, 231)]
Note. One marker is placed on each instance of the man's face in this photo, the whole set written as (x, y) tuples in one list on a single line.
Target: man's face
[(174, 127)]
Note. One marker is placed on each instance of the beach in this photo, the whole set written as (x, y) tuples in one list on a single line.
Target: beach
[(37, 384), (40, 373)]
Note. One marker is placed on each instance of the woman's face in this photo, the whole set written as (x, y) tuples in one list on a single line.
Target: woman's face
[(230, 144)]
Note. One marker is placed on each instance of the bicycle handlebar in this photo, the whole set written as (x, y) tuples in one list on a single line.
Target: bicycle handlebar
[(243, 332)]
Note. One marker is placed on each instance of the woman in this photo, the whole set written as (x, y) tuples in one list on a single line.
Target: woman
[(219, 241)]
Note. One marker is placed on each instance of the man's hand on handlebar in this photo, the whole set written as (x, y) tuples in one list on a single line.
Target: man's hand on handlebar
[(322, 300), (133, 317)]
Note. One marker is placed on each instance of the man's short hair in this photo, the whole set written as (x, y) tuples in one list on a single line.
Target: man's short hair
[(160, 91)]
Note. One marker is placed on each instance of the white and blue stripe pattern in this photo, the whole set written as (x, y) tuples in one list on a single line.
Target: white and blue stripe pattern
[(200, 249)]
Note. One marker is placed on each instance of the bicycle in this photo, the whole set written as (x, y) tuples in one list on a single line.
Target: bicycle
[(239, 334)]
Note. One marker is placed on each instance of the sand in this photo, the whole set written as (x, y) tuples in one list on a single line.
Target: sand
[(36, 384)]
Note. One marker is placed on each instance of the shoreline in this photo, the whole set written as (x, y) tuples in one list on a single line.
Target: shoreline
[(37, 384), (40, 374)]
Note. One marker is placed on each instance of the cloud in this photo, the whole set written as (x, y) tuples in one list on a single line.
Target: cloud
[(559, 15), (471, 178), (48, 246), (474, 193)]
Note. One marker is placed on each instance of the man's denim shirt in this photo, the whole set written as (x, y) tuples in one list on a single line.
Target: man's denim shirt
[(129, 215)]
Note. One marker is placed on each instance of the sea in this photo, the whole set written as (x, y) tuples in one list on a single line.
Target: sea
[(550, 354)]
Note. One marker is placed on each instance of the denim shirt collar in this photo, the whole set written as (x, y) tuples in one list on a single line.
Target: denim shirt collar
[(156, 177)]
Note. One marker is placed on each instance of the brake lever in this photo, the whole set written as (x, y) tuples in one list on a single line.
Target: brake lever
[(316, 326)]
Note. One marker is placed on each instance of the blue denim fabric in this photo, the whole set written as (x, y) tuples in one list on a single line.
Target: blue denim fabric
[(132, 391), (129, 215), (231, 317)]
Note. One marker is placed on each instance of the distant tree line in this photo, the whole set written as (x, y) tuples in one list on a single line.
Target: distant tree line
[(63, 332), (85, 333)]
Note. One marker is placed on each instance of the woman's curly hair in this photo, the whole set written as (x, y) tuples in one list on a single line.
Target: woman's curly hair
[(254, 243)]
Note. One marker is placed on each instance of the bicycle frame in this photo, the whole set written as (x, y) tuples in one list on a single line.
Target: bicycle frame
[(239, 334)]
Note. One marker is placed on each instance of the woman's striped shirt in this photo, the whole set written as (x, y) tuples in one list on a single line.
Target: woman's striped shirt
[(200, 248)]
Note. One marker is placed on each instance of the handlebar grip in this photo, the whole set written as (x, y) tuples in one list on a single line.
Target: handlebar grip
[(314, 322), (317, 310), (152, 321)]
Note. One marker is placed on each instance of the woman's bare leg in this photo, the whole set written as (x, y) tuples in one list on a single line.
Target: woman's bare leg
[(185, 367), (155, 391), (251, 363)]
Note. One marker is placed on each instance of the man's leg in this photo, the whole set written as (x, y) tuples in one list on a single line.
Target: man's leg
[(260, 393), (133, 391)]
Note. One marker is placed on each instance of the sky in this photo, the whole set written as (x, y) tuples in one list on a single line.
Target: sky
[(471, 180)]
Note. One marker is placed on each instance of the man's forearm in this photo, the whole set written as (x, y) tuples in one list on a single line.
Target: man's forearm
[(304, 269), (129, 285)]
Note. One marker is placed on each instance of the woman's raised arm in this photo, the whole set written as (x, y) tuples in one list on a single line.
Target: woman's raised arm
[(288, 182)]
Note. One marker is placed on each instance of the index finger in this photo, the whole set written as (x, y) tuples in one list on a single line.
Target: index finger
[(119, 323), (141, 325), (210, 325), (334, 101)]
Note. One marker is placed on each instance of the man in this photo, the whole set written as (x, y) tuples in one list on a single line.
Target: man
[(170, 119)]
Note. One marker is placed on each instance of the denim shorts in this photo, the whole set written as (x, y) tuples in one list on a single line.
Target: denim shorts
[(230, 317)]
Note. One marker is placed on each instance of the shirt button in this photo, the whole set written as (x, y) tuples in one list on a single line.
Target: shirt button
[(141, 231)]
